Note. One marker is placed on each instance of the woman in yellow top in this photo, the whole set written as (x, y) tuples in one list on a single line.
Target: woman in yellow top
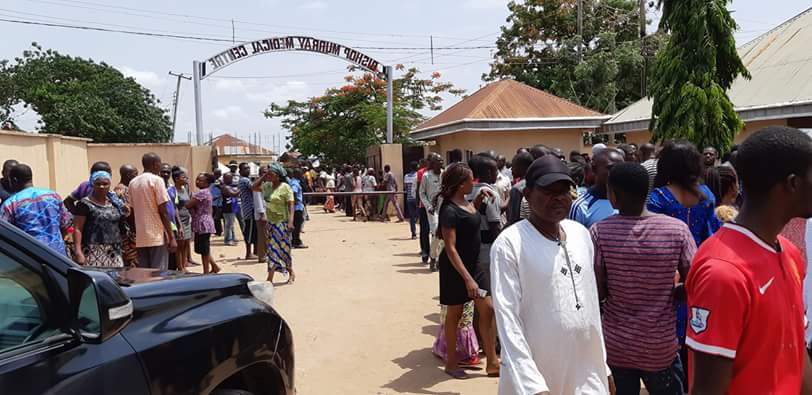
[(279, 200)]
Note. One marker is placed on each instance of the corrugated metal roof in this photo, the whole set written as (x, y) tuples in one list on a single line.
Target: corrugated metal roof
[(508, 99), (780, 62)]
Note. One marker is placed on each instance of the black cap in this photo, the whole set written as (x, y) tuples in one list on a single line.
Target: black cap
[(547, 170)]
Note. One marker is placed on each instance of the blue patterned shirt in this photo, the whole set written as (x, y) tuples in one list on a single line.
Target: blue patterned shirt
[(40, 213)]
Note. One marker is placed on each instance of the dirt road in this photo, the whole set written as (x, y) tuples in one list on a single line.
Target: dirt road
[(364, 311)]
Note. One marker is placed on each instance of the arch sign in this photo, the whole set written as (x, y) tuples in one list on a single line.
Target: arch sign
[(203, 69)]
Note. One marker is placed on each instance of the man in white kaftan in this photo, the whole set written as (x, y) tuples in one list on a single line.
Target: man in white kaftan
[(546, 299)]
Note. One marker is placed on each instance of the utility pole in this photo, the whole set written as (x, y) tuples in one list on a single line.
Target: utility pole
[(431, 43), (176, 98), (643, 87), (580, 28)]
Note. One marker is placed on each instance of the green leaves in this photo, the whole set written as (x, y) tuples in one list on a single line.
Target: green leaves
[(78, 97), (341, 124), (601, 69), (693, 72)]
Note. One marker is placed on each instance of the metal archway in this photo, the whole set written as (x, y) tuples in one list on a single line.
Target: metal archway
[(203, 69)]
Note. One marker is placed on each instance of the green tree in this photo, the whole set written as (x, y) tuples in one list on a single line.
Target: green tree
[(601, 69), (693, 73), (341, 124), (78, 97)]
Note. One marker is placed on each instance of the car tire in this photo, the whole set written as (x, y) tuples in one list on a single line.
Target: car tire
[(230, 392)]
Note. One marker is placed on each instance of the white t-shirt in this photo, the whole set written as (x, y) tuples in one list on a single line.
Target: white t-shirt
[(548, 342), (503, 184), (369, 183)]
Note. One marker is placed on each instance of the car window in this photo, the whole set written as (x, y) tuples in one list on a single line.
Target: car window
[(23, 301)]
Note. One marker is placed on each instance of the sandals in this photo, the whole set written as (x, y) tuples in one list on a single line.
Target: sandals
[(457, 374)]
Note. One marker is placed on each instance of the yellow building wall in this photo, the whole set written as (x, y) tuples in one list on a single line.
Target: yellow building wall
[(639, 138), (61, 162), (194, 159), (752, 127), (66, 154), (644, 136), (31, 149), (506, 143)]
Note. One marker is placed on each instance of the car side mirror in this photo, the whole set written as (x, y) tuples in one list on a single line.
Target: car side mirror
[(99, 307)]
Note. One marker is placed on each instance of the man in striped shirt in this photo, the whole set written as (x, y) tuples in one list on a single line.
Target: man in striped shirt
[(637, 255)]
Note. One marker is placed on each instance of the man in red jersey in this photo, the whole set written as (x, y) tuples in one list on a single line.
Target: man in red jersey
[(746, 324)]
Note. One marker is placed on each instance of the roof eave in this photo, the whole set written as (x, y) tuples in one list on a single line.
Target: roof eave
[(747, 114), (506, 125)]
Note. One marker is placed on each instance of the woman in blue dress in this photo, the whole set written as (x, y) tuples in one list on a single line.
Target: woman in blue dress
[(678, 192)]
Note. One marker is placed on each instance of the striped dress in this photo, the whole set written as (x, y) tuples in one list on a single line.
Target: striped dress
[(638, 258), (278, 235)]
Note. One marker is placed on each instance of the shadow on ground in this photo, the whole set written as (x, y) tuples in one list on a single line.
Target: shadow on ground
[(423, 371), (243, 262), (433, 328), (422, 270)]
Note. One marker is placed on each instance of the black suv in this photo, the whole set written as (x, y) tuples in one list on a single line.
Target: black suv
[(65, 329)]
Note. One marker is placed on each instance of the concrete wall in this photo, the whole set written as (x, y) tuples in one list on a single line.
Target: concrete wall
[(52, 158), (506, 143), (644, 136), (639, 138), (67, 154), (194, 159), (29, 149), (61, 162), (752, 127)]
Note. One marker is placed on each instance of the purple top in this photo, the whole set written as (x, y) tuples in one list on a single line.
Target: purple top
[(638, 258), (202, 221), (82, 191)]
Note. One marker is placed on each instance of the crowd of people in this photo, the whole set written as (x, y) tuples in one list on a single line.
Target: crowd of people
[(601, 272), (585, 274), (156, 219)]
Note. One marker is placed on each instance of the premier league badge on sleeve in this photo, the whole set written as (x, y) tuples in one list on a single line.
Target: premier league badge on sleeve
[(699, 319)]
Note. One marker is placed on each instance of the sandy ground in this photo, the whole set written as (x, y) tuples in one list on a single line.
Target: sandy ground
[(364, 311)]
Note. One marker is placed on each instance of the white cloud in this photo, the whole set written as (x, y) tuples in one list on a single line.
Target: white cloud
[(314, 5), (290, 90), (229, 112), (486, 4), (148, 79), (230, 85)]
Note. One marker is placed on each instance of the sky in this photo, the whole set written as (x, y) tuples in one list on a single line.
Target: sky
[(234, 98)]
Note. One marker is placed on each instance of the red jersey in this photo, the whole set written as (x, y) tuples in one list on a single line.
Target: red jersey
[(745, 303)]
